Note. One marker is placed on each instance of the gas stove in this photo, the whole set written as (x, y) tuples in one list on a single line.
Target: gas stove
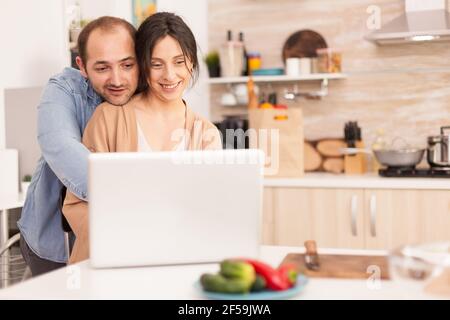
[(412, 172)]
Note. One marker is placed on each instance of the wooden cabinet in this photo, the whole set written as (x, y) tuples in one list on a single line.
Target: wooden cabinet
[(398, 217), (355, 218), (267, 219), (333, 217)]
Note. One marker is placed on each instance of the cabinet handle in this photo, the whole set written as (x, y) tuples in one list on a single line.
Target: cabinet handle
[(373, 215), (354, 208)]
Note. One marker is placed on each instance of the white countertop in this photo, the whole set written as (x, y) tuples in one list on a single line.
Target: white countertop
[(11, 202), (366, 181), (177, 282)]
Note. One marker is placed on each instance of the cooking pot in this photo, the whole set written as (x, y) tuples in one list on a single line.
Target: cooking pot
[(393, 157), (438, 152), (399, 157)]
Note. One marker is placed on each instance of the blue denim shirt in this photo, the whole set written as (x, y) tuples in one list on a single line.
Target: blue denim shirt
[(66, 106)]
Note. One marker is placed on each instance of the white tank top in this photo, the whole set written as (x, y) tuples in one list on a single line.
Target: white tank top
[(143, 145)]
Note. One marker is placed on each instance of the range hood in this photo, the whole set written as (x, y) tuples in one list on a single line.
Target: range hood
[(422, 21)]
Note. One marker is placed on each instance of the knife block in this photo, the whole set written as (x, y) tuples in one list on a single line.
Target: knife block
[(356, 163)]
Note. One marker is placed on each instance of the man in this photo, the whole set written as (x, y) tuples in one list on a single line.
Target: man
[(108, 71)]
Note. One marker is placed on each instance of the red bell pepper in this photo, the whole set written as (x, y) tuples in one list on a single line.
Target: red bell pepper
[(289, 272), (274, 279)]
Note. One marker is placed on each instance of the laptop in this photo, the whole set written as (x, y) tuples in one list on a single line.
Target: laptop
[(168, 208)]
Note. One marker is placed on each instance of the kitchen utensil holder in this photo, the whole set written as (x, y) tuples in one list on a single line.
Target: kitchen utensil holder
[(315, 95)]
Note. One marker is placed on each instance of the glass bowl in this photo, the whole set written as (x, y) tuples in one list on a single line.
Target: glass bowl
[(413, 267)]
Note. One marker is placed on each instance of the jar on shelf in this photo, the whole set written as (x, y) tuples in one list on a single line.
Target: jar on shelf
[(254, 61), (329, 60)]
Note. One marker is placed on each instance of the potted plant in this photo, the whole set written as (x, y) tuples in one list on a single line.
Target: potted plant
[(213, 62), (25, 184)]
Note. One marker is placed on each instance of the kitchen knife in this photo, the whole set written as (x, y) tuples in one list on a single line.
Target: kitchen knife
[(311, 256)]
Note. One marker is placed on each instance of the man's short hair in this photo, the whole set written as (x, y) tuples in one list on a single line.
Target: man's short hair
[(105, 23)]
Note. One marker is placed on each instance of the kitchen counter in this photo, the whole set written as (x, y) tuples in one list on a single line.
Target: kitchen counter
[(177, 282), (366, 181), (12, 202)]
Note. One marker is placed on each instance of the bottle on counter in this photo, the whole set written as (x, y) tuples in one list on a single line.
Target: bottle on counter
[(231, 57), (273, 99), (229, 36), (264, 103), (245, 57)]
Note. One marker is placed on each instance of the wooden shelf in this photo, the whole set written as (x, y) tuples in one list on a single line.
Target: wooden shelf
[(281, 78)]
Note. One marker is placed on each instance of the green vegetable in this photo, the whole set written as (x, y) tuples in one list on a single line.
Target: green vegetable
[(219, 283), (259, 284), (238, 269)]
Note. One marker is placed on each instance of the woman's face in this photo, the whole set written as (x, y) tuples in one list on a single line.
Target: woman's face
[(169, 74)]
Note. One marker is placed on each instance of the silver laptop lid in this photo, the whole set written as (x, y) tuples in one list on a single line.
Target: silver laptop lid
[(174, 207)]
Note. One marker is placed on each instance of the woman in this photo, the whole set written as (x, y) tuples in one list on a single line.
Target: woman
[(156, 119)]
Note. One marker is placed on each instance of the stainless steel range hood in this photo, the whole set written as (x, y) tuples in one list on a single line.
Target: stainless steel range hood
[(422, 21)]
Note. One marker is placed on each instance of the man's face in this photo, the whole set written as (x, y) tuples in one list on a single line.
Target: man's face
[(111, 65)]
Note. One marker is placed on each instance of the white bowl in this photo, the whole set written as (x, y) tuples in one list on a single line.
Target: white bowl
[(228, 99), (413, 267)]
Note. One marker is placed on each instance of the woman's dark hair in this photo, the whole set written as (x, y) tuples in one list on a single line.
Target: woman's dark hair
[(156, 27)]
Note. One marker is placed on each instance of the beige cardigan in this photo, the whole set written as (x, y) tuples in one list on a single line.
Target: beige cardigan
[(114, 129)]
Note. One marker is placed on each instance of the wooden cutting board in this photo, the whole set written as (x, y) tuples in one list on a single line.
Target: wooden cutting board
[(342, 266)]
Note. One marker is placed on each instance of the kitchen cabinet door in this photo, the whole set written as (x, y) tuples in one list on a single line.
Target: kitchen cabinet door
[(267, 224), (332, 217), (398, 217)]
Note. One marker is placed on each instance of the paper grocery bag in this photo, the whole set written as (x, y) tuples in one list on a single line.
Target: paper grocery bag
[(279, 133)]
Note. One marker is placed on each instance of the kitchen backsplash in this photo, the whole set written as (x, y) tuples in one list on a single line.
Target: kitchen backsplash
[(404, 89)]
